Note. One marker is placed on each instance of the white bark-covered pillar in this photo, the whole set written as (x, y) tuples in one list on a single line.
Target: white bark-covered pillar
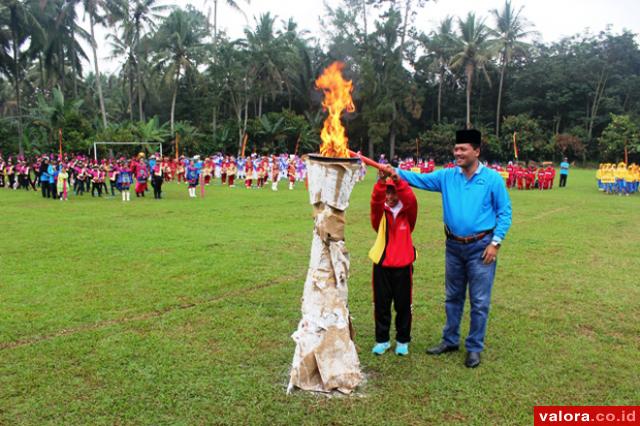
[(325, 357)]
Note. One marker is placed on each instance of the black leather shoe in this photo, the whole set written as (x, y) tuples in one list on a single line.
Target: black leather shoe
[(441, 349), (473, 359)]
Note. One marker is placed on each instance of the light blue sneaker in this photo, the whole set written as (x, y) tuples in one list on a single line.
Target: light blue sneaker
[(381, 348), (402, 349)]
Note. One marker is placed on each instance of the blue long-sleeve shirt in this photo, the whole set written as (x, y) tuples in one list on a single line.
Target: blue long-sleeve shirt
[(469, 206), (52, 173)]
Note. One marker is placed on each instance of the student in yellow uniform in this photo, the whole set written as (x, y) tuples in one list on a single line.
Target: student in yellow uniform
[(620, 173), (630, 180), (599, 176), (608, 178)]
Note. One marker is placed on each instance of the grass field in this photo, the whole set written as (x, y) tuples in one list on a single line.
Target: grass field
[(180, 311)]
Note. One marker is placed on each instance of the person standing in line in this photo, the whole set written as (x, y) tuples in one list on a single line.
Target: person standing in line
[(95, 182), (142, 174), (275, 173), (157, 177), (231, 172), (193, 175), (53, 177), (124, 180), (62, 183), (241, 167), (11, 174), (2, 170), (248, 180), (112, 170), (291, 173), (477, 216), (44, 178)]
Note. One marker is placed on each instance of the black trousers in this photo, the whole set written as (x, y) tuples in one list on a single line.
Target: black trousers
[(563, 180), (79, 187), (392, 285), (44, 186), (94, 187), (156, 182), (23, 182)]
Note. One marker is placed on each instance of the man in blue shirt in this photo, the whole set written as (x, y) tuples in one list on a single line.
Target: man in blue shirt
[(564, 172), (477, 216)]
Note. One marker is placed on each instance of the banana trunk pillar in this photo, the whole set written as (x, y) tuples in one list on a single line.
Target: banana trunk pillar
[(325, 357)]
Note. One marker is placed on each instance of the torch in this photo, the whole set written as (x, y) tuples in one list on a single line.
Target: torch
[(366, 160), (325, 357)]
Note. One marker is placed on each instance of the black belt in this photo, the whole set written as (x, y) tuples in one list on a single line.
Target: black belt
[(466, 240)]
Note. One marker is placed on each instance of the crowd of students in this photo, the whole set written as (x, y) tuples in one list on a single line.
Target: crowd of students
[(621, 179), (516, 176), (77, 174)]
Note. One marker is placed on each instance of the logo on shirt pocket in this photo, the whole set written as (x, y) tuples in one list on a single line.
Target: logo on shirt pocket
[(480, 181)]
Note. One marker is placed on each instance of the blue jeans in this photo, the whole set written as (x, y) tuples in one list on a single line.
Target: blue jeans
[(464, 265)]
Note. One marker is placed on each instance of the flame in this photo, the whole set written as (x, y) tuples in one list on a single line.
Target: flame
[(337, 98)]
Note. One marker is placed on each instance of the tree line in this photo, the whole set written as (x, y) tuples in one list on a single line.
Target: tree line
[(180, 75)]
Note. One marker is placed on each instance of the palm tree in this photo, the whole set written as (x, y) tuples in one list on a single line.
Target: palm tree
[(65, 35), (440, 47), (296, 60), (233, 5), (22, 23), (266, 51), (144, 14), (52, 115), (152, 131), (510, 30), (178, 46), (93, 9), (473, 52), (122, 47)]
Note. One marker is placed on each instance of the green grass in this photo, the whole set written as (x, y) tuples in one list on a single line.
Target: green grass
[(180, 311)]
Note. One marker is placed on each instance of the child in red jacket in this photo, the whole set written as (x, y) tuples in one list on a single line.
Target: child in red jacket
[(393, 215)]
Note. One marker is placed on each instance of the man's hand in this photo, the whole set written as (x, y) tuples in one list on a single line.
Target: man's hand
[(490, 254)]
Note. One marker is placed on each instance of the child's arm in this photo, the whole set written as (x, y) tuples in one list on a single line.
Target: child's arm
[(409, 202), (377, 203)]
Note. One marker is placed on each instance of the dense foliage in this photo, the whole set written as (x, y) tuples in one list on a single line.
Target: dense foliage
[(179, 74)]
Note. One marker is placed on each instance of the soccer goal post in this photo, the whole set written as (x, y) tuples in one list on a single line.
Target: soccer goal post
[(95, 146)]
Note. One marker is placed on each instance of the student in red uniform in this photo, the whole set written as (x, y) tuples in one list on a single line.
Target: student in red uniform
[(248, 180), (232, 170), (520, 177), (530, 176), (541, 179), (512, 175), (223, 171), (549, 174), (180, 170), (291, 173), (275, 173), (393, 215), (261, 171)]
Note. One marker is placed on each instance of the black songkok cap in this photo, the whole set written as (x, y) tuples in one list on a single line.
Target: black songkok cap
[(471, 136)]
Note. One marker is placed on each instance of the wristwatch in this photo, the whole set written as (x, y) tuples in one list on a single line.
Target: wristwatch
[(495, 244)]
